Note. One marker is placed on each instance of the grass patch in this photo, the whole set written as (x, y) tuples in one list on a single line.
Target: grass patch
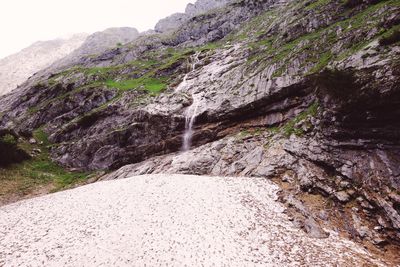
[(22, 178), (317, 45), (9, 139), (390, 38), (152, 85), (290, 127), (323, 62), (317, 4)]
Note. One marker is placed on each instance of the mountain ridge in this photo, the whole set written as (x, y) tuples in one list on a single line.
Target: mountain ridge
[(14, 69)]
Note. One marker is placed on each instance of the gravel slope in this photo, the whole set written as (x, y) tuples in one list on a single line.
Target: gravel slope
[(160, 220)]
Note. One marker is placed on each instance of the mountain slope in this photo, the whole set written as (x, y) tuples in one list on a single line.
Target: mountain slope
[(15, 69), (173, 22), (301, 92), (97, 43)]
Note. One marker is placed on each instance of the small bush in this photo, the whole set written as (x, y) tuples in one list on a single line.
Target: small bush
[(9, 139)]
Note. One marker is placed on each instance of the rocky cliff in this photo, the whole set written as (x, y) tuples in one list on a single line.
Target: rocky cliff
[(173, 22), (50, 56), (97, 43), (16, 68), (305, 93)]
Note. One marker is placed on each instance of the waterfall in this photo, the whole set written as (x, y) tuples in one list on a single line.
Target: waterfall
[(191, 112), (190, 118), (193, 67)]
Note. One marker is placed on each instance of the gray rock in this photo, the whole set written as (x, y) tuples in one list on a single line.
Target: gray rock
[(171, 23), (343, 196), (32, 141), (175, 21), (202, 6), (17, 68), (314, 229), (97, 43)]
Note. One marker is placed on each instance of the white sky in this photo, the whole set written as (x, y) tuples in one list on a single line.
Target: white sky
[(23, 22)]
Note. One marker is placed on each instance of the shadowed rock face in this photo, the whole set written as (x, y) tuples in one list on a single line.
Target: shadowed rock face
[(10, 153), (299, 92)]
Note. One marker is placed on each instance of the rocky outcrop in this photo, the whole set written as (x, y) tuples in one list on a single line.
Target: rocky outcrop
[(16, 68), (219, 22), (173, 22), (97, 43), (203, 6)]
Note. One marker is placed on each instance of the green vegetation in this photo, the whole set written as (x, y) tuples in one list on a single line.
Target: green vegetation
[(152, 85), (323, 62), (8, 139), (65, 96), (287, 129), (209, 47), (313, 50), (250, 132), (290, 127), (390, 38), (253, 28), (39, 171), (317, 4), (150, 74), (150, 78)]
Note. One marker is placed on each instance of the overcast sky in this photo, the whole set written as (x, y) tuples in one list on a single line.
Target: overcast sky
[(23, 22)]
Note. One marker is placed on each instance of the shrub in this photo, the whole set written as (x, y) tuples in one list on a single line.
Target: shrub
[(9, 139)]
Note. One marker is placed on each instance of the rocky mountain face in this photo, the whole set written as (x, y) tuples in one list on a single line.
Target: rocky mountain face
[(50, 56), (15, 69), (305, 93), (97, 43), (176, 20)]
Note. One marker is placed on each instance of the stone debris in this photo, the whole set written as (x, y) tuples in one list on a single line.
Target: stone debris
[(160, 220)]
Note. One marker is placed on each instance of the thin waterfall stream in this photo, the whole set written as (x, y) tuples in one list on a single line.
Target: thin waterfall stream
[(191, 112)]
